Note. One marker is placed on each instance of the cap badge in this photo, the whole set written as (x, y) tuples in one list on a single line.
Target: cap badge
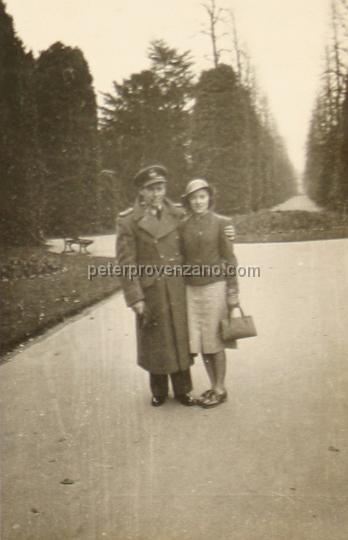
[(152, 174)]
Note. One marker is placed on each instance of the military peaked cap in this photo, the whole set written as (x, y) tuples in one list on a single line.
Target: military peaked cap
[(154, 174)]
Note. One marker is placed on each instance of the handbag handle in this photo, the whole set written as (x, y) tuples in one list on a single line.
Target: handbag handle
[(240, 309)]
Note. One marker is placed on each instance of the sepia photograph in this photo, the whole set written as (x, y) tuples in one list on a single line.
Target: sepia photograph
[(173, 269)]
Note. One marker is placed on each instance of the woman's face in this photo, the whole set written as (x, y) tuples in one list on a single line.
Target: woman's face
[(199, 201)]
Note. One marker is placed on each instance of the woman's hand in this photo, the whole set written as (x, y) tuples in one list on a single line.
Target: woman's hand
[(232, 311), (230, 232), (139, 308), (232, 298)]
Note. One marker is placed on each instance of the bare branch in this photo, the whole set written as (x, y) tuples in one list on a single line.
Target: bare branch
[(215, 16)]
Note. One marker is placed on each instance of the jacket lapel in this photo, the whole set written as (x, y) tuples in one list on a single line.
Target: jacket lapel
[(150, 224), (157, 228), (167, 223)]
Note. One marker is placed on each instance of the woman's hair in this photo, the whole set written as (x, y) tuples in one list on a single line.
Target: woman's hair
[(211, 191)]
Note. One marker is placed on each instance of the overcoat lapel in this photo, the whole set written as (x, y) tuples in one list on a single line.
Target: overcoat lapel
[(158, 228)]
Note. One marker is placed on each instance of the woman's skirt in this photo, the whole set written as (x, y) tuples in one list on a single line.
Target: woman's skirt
[(206, 307)]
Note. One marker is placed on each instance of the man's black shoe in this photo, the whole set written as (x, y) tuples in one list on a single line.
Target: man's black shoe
[(157, 401), (186, 399)]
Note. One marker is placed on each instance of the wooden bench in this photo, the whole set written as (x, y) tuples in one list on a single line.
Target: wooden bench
[(82, 242), (68, 242)]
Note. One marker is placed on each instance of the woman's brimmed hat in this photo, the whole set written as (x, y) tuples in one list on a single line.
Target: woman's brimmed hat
[(195, 185)]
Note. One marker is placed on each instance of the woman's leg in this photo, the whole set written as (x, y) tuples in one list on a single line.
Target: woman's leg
[(219, 368), (210, 368)]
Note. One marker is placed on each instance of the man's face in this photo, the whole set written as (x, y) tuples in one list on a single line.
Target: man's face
[(153, 195)]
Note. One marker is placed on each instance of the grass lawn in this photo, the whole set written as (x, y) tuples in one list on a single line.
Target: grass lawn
[(53, 287)]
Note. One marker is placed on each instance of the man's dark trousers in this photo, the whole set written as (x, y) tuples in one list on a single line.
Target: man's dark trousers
[(181, 382)]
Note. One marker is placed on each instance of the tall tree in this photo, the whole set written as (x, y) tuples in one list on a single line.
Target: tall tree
[(218, 130), (325, 176), (128, 133), (226, 42), (344, 154), (20, 167), (146, 119), (68, 137), (236, 149), (215, 15)]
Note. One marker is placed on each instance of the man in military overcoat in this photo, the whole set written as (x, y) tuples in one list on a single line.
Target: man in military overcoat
[(148, 240)]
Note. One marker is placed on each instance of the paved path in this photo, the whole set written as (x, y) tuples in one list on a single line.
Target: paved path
[(299, 202), (270, 464)]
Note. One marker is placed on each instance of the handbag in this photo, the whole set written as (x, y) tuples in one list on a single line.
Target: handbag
[(237, 327)]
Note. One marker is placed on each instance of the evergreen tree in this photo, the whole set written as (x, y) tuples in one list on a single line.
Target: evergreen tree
[(344, 154), (68, 138), (276, 176), (108, 200), (146, 119), (236, 149), (326, 167), (128, 130), (20, 166), (219, 137)]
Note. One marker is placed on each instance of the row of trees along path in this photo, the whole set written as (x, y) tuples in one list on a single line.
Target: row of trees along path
[(326, 175), (63, 174)]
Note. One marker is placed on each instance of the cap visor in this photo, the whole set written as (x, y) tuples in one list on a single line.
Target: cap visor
[(159, 180)]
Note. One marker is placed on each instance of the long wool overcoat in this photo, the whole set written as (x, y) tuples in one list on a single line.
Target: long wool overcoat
[(144, 241)]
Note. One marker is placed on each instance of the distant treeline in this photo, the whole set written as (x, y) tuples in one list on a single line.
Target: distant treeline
[(62, 174), (326, 175)]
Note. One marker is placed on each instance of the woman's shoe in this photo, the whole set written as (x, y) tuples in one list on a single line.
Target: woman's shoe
[(205, 396), (213, 400)]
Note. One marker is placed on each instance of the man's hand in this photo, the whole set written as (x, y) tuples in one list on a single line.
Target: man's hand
[(230, 232), (139, 307)]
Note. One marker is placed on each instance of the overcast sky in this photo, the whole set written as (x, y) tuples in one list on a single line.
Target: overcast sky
[(285, 39)]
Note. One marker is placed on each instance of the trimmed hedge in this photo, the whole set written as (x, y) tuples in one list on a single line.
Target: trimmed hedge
[(290, 225)]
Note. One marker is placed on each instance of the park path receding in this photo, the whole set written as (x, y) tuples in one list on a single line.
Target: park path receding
[(83, 455)]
